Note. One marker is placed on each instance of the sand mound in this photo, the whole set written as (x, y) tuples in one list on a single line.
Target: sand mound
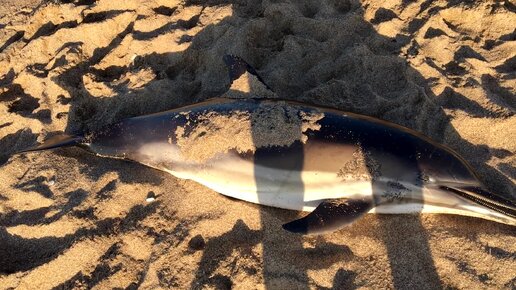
[(271, 124), (68, 219)]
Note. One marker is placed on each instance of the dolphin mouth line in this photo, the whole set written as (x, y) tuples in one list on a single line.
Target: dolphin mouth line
[(470, 194)]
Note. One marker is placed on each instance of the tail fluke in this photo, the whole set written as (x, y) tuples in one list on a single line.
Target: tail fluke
[(62, 140)]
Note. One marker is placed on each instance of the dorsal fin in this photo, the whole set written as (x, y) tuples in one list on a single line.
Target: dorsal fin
[(237, 67), (245, 81)]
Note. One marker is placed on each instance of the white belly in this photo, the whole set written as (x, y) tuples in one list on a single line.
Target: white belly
[(294, 190)]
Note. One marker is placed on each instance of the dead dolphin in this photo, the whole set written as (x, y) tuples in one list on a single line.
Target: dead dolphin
[(295, 156)]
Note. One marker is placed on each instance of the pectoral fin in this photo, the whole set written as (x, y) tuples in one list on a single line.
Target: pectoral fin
[(330, 215)]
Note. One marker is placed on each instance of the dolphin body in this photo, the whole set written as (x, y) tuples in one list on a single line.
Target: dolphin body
[(335, 164)]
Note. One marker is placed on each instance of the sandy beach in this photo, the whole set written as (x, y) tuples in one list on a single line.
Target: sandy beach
[(69, 219)]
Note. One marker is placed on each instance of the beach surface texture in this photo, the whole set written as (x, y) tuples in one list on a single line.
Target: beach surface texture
[(69, 219)]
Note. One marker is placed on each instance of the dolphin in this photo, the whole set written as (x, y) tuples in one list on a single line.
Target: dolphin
[(336, 165)]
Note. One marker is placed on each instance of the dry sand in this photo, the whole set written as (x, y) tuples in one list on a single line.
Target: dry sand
[(69, 219)]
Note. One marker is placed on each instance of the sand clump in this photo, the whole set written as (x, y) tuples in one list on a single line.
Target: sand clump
[(271, 124), (362, 166)]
